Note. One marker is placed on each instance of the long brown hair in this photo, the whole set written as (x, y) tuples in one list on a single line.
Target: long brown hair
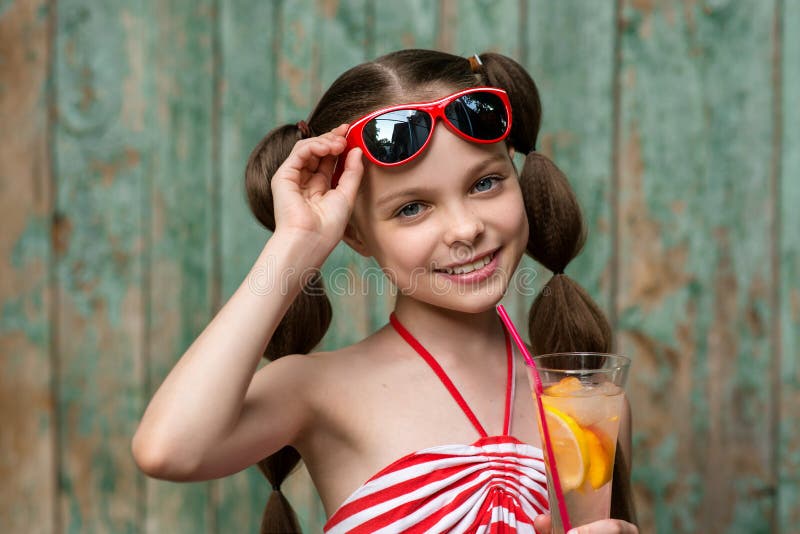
[(563, 317)]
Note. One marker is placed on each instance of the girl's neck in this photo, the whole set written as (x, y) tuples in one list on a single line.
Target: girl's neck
[(450, 334)]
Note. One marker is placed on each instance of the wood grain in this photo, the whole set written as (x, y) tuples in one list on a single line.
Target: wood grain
[(399, 25), (28, 438), (788, 291), (179, 213), (483, 26), (100, 142), (694, 271)]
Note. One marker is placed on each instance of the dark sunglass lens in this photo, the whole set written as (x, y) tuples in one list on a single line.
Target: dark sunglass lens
[(397, 135), (479, 115)]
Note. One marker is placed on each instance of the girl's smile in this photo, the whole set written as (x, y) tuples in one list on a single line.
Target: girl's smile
[(474, 271)]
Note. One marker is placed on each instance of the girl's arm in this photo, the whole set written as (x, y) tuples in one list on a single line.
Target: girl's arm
[(213, 415)]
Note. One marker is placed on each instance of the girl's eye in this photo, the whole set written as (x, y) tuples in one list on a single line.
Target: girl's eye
[(409, 211), (486, 183)]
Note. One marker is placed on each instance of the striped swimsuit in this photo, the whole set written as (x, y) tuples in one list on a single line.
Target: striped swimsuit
[(495, 485)]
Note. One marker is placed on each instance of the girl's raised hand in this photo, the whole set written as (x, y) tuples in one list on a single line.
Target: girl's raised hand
[(606, 526), (303, 199)]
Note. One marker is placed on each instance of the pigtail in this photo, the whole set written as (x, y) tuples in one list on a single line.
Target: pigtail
[(563, 318), (301, 328), (278, 514)]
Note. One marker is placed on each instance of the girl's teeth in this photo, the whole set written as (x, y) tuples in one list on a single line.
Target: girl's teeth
[(464, 269)]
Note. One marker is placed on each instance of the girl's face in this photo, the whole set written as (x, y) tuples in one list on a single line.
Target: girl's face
[(454, 204)]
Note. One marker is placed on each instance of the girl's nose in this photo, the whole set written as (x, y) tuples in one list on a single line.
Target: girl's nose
[(462, 225)]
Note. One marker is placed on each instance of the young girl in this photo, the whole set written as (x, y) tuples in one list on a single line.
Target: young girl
[(427, 425)]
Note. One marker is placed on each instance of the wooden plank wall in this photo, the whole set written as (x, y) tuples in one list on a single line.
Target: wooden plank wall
[(124, 129)]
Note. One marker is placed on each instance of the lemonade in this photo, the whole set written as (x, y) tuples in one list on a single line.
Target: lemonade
[(583, 421), (582, 401)]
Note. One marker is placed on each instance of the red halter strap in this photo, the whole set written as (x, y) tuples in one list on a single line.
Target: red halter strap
[(429, 359)]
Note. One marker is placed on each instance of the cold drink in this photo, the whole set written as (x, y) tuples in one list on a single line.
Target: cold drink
[(582, 407)]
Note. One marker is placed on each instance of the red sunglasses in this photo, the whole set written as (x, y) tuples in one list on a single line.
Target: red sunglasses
[(398, 134)]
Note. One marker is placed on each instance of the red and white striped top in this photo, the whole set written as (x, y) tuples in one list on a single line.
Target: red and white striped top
[(495, 485)]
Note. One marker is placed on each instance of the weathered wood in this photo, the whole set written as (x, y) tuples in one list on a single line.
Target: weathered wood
[(340, 41), (100, 143), (694, 269), (788, 409), (399, 25), (29, 425), (250, 36), (179, 211), (483, 26)]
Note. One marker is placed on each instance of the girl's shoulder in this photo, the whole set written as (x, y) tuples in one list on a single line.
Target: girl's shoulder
[(370, 352), (318, 367)]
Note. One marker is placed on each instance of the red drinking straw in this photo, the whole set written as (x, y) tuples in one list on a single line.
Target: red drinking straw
[(562, 507)]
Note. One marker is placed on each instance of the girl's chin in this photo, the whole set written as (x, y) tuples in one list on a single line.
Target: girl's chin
[(463, 299)]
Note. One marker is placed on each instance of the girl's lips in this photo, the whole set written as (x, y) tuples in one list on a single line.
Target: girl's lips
[(477, 275)]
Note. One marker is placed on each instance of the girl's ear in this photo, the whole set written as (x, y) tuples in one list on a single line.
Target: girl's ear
[(352, 236)]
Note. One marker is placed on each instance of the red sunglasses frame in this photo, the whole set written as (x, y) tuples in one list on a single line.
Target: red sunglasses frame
[(435, 109)]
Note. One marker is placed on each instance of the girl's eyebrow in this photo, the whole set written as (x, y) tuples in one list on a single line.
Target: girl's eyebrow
[(414, 191)]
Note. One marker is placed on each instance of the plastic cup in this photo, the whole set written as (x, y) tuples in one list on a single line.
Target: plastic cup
[(580, 396)]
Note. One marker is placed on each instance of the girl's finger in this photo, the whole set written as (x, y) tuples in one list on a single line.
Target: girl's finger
[(326, 166), (336, 133), (312, 149), (351, 176), (542, 524), (341, 129), (606, 526)]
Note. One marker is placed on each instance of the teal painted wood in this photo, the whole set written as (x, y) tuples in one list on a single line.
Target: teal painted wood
[(694, 277), (249, 33), (340, 41), (485, 26), (27, 415), (399, 25), (788, 445), (101, 142), (179, 214)]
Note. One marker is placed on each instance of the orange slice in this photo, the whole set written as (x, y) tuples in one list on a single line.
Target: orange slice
[(569, 447), (564, 387), (601, 459)]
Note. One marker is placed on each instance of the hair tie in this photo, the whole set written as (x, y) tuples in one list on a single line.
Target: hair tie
[(276, 488), (556, 273), (475, 62), (305, 131)]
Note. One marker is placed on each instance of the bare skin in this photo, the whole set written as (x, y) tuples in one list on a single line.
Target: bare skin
[(353, 411)]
